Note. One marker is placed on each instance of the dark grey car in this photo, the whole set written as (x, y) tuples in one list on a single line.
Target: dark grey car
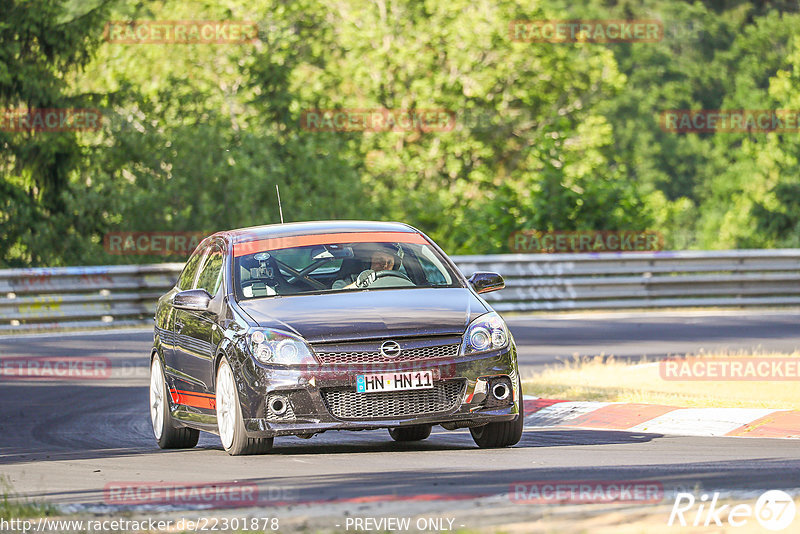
[(296, 329)]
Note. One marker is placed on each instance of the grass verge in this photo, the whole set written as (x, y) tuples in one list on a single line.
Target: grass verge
[(609, 380), (13, 507)]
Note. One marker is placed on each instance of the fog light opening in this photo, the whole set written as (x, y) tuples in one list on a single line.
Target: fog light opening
[(500, 391), (278, 405)]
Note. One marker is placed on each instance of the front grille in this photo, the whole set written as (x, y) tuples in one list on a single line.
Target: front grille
[(346, 403), (369, 352)]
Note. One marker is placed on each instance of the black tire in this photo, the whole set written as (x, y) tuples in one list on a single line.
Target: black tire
[(410, 433), (504, 434), (171, 435), (240, 444)]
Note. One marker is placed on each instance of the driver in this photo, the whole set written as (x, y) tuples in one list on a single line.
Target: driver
[(381, 261)]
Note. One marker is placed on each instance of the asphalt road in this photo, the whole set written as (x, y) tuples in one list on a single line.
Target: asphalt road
[(65, 442)]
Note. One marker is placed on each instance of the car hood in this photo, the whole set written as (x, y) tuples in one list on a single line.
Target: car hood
[(368, 314)]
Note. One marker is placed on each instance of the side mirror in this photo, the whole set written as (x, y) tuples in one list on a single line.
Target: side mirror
[(192, 300), (484, 282)]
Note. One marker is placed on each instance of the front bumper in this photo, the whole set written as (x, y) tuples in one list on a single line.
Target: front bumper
[(309, 392)]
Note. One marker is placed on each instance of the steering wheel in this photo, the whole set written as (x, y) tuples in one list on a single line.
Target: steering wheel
[(384, 274), (381, 279)]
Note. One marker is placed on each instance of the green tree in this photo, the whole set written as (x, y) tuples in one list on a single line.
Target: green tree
[(42, 42)]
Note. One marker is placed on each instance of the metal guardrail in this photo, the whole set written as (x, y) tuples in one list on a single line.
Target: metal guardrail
[(32, 299), (78, 297), (666, 279)]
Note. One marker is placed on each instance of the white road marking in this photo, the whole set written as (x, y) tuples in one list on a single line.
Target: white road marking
[(701, 421), (562, 413)]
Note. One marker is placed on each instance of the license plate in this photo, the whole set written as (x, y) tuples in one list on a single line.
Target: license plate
[(394, 381)]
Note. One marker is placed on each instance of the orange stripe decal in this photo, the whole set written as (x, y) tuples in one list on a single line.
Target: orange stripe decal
[(195, 400), (277, 243)]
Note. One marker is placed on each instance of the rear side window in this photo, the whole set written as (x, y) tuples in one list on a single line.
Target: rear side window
[(190, 269)]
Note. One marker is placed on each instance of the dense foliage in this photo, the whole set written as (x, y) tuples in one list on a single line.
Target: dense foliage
[(545, 136)]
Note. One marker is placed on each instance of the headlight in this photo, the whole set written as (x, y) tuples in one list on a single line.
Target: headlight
[(274, 346), (486, 333)]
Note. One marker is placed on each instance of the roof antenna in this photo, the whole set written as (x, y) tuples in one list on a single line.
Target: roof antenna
[(280, 208)]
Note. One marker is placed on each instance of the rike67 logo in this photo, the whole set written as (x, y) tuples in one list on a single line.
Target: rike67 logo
[(774, 510)]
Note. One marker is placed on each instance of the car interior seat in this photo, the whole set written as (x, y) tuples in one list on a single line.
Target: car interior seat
[(352, 266)]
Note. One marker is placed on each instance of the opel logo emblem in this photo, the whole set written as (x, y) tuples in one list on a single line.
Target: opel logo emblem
[(390, 349)]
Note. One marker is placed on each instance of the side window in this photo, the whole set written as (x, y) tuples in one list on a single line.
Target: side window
[(190, 269), (210, 277)]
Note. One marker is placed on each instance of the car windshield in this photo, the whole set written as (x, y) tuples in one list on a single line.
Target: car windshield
[(338, 267)]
